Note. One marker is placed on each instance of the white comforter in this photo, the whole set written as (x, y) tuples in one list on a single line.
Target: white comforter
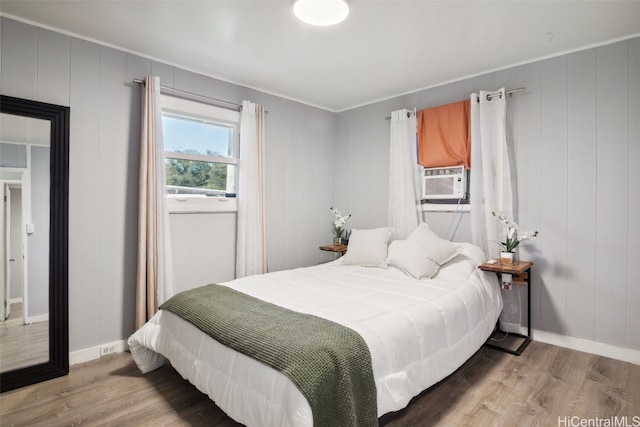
[(418, 332)]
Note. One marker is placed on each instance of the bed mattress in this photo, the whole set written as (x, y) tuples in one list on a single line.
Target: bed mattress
[(418, 332)]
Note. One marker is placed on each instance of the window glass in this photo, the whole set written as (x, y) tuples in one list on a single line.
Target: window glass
[(194, 177), (200, 151), (189, 135)]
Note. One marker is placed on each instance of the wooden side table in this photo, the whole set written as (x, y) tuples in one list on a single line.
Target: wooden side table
[(521, 275), (334, 248)]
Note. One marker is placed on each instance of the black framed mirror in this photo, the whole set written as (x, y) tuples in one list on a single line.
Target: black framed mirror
[(58, 318)]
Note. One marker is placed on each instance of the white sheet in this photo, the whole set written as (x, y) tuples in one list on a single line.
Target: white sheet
[(418, 332)]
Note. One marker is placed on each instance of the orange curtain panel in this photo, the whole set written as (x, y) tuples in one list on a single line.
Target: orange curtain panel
[(444, 135)]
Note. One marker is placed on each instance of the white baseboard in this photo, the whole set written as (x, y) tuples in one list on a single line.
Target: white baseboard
[(92, 353), (593, 347), (36, 319), (15, 300)]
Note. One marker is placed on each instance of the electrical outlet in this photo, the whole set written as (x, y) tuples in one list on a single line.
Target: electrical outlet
[(107, 349)]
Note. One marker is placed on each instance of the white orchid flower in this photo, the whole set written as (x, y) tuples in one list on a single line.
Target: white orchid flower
[(513, 234), (501, 217), (528, 235), (339, 221)]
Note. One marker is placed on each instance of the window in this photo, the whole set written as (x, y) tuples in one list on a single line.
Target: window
[(444, 139), (201, 146)]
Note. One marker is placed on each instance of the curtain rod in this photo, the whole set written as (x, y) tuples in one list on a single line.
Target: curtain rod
[(509, 92), (184, 92), (490, 95)]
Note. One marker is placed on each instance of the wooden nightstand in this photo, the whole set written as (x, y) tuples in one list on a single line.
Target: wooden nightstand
[(521, 275), (334, 248)]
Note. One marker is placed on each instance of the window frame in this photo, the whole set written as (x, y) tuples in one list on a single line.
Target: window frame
[(197, 203)]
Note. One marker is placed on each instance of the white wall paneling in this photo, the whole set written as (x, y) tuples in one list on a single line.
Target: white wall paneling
[(85, 308), (553, 195), (612, 193), (96, 83), (19, 59), (528, 164), (203, 248), (53, 67), (575, 139), (362, 164), (114, 176), (632, 338), (581, 194), (455, 226)]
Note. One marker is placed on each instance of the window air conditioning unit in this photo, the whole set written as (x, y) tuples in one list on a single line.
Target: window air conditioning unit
[(444, 183)]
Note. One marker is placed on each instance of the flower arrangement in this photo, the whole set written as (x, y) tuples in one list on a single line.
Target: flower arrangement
[(339, 222), (513, 235)]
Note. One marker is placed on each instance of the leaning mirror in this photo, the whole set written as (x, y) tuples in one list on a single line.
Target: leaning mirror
[(34, 147)]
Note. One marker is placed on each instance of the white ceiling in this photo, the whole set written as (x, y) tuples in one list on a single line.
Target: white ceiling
[(383, 49)]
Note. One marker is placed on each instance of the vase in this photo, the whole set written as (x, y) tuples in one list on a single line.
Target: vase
[(337, 240), (507, 258)]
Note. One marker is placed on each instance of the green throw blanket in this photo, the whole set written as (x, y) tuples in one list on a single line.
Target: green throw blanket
[(329, 363)]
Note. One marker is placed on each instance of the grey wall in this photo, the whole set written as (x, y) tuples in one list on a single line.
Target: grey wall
[(575, 139), (16, 233), (203, 248), (574, 135), (15, 155), (96, 83), (38, 242)]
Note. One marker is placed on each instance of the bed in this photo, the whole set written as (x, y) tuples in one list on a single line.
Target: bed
[(418, 329)]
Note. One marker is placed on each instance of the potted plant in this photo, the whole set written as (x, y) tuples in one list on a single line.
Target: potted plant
[(513, 237), (338, 225)]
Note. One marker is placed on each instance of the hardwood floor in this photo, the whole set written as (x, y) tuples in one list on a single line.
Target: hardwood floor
[(22, 345), (544, 386)]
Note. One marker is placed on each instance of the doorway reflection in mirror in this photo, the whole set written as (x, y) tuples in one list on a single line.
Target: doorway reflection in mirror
[(24, 241)]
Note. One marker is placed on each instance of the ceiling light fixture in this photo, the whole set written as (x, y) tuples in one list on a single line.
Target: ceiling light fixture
[(321, 12)]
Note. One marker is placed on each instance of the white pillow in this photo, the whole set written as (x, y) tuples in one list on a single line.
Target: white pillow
[(368, 247), (403, 256), (423, 253)]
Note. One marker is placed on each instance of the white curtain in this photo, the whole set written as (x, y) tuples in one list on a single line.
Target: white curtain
[(155, 276), (251, 251), (403, 174), (490, 171), (491, 189)]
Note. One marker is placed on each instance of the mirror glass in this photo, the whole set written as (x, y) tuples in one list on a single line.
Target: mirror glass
[(34, 243), (24, 241)]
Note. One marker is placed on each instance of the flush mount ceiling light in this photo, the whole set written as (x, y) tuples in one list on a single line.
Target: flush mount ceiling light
[(321, 12)]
